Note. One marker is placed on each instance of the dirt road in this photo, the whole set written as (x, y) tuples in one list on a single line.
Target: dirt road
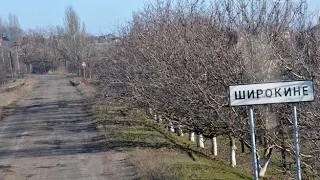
[(49, 136)]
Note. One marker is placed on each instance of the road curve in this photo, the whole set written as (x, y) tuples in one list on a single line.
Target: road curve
[(49, 135)]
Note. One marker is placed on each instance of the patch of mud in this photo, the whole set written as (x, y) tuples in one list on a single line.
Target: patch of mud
[(30, 176), (5, 166), (46, 167), (50, 142)]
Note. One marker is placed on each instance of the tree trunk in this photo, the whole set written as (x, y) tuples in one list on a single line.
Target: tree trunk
[(200, 142), (66, 66), (265, 139), (214, 146), (30, 68), (18, 62), (179, 130), (171, 129), (160, 119), (150, 111), (11, 64), (242, 146), (155, 116), (284, 162), (233, 149), (191, 136), (261, 138), (263, 164)]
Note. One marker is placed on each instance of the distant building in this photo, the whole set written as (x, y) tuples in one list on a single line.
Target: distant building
[(103, 39), (108, 38)]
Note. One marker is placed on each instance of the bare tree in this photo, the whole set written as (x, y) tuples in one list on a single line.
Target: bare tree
[(178, 58), (14, 32), (73, 40)]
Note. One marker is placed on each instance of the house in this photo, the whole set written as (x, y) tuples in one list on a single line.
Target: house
[(108, 38)]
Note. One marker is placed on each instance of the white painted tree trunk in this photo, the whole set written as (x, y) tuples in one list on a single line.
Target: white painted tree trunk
[(180, 132), (200, 142), (264, 167), (233, 149), (263, 163), (171, 129), (160, 119), (191, 136), (214, 146), (155, 116), (150, 111)]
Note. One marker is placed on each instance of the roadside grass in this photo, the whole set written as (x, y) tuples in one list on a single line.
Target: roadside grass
[(207, 169), (159, 154), (244, 160), (155, 152)]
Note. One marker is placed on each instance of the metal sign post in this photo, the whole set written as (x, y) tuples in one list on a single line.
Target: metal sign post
[(296, 140), (253, 144), (271, 93)]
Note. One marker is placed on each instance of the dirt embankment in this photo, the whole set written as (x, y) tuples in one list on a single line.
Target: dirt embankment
[(14, 90)]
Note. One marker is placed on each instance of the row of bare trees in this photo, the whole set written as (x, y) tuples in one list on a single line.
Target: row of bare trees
[(56, 48), (178, 58)]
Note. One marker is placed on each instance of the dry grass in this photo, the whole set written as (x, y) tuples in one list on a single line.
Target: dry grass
[(14, 90), (155, 163)]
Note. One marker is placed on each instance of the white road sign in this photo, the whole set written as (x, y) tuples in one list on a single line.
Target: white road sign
[(83, 64), (268, 93)]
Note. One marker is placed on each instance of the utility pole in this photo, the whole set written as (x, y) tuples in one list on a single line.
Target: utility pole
[(11, 64), (17, 54)]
